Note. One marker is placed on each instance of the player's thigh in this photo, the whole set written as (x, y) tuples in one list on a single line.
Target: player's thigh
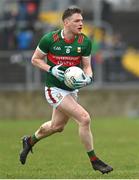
[(59, 118), (71, 107)]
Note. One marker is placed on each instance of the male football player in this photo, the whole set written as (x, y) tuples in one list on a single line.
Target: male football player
[(65, 48)]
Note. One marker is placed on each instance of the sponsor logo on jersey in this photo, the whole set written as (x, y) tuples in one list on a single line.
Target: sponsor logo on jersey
[(65, 60), (78, 49), (57, 48)]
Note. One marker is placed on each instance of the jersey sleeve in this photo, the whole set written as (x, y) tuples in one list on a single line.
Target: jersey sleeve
[(44, 43), (87, 48)]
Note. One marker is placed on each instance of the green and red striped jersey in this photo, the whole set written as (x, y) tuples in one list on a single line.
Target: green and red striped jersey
[(61, 51)]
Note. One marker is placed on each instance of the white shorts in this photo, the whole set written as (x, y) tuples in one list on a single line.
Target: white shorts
[(55, 95)]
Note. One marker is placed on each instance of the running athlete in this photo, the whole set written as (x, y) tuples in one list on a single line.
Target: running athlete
[(65, 48)]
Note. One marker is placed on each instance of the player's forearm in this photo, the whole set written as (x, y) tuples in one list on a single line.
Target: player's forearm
[(86, 64), (40, 64), (88, 71)]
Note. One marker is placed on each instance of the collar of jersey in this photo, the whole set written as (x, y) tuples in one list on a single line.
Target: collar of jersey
[(69, 41)]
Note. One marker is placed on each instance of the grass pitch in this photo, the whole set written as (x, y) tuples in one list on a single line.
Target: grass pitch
[(63, 156)]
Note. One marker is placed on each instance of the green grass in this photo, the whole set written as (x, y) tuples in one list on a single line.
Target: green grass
[(63, 156)]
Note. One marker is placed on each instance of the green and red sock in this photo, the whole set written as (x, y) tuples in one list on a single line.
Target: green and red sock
[(33, 139), (92, 155)]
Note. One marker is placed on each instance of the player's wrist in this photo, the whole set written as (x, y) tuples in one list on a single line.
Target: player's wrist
[(50, 69), (89, 79)]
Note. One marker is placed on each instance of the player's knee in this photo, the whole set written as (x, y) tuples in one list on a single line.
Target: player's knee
[(85, 120)]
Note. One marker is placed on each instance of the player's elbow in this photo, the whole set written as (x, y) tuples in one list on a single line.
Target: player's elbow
[(33, 61)]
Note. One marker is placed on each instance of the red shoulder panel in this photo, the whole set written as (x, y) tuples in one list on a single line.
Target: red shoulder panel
[(55, 37), (80, 39)]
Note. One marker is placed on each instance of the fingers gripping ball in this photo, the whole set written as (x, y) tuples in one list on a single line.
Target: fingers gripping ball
[(55, 71), (73, 74)]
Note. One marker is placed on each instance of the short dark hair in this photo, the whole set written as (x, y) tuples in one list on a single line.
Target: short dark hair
[(70, 11)]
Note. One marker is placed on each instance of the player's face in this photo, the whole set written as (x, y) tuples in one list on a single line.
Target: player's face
[(75, 23)]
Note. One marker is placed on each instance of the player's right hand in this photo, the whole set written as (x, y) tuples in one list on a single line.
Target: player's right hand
[(55, 71)]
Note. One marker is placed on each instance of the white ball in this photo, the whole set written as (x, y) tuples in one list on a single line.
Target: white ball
[(72, 74)]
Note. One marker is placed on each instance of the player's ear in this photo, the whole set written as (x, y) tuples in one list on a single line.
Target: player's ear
[(66, 21)]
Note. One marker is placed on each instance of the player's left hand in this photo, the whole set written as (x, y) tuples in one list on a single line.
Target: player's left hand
[(82, 83)]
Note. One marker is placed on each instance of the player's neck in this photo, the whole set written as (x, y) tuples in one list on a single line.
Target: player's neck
[(67, 34)]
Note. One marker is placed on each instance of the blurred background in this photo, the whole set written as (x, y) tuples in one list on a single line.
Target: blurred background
[(113, 27)]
